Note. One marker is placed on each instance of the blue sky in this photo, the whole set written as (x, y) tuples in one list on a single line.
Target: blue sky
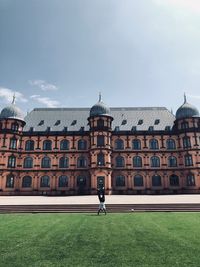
[(61, 53)]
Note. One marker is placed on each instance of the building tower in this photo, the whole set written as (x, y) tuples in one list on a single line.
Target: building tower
[(186, 126), (100, 122), (11, 128)]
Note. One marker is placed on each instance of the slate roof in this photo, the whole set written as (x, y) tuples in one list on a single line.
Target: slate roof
[(75, 118)]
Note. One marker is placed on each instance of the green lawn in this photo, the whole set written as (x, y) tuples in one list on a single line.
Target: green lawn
[(134, 239)]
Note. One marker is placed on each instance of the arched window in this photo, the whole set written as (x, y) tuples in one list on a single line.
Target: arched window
[(64, 162), (137, 161), (81, 181), (82, 162), (63, 181), (190, 179), (136, 144), (29, 145), (170, 144), (82, 144), (11, 161), (64, 145), (186, 142), (188, 160), (13, 143), (15, 127), (100, 140), (47, 145), (28, 162), (27, 181), (155, 161), (100, 159), (138, 180), (156, 180), (153, 144), (119, 161), (46, 162), (120, 180), (10, 180), (119, 144), (172, 161), (174, 180), (45, 181)]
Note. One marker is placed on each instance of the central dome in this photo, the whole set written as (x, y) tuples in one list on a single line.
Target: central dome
[(99, 109)]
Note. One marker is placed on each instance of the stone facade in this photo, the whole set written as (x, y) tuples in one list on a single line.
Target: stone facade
[(34, 162)]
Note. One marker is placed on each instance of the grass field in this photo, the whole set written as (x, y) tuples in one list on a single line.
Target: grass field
[(135, 239)]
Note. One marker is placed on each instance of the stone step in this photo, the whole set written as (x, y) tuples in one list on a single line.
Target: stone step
[(92, 208)]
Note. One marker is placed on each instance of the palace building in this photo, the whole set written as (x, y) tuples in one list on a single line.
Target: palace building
[(71, 151)]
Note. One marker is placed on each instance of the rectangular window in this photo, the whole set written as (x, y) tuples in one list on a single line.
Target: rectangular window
[(184, 125), (190, 180), (188, 160), (10, 182), (100, 140), (186, 142), (13, 143), (11, 162)]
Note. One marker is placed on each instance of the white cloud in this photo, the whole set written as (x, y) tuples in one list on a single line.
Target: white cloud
[(7, 95), (34, 96), (191, 5), (45, 101), (43, 85)]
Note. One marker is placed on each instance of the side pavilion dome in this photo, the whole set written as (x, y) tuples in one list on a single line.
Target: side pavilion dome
[(187, 110), (11, 112), (99, 109)]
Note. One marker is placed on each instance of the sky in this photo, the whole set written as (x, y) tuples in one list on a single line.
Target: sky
[(62, 53)]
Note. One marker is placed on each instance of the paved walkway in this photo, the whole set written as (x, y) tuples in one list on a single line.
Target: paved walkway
[(114, 199)]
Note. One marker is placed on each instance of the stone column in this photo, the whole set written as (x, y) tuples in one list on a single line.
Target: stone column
[(129, 181)]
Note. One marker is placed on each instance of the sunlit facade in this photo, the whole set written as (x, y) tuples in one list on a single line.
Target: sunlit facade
[(71, 151)]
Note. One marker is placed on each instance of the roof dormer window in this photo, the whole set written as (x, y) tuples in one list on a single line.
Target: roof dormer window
[(124, 122), (41, 123), (57, 123), (74, 122)]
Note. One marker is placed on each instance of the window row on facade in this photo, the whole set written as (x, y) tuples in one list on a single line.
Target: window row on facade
[(118, 144), (100, 124), (120, 181), (156, 180), (82, 161), (153, 144), (27, 181), (14, 126), (46, 162)]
